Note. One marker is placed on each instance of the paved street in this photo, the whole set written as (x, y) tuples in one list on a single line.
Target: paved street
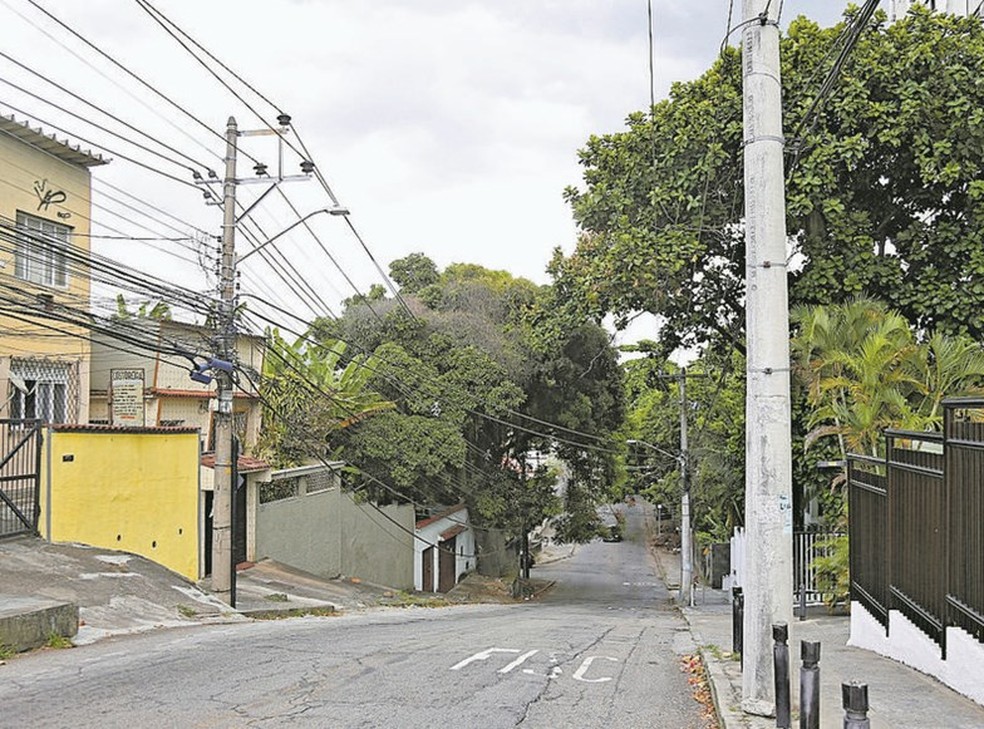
[(601, 650)]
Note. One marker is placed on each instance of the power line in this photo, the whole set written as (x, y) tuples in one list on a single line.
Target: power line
[(95, 107), (120, 233), (856, 28), (209, 54), (331, 258), (127, 71), (85, 261), (128, 158), (171, 28)]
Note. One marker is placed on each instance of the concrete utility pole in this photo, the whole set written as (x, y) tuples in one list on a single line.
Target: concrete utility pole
[(768, 587), (686, 543), (222, 569)]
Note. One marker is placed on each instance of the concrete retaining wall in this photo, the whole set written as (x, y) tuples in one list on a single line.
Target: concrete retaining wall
[(328, 533), (963, 669)]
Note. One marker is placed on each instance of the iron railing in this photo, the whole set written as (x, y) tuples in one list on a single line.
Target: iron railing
[(917, 525)]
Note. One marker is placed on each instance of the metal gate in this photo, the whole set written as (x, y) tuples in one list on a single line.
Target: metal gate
[(20, 476)]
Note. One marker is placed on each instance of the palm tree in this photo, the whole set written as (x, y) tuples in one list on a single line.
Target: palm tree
[(947, 366), (309, 395), (865, 371), (854, 359)]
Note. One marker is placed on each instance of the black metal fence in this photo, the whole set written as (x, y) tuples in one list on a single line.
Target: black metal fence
[(917, 525), (20, 468)]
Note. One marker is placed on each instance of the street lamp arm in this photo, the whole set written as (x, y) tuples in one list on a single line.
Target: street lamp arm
[(675, 456), (331, 211)]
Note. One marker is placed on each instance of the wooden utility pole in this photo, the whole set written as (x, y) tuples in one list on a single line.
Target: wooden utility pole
[(768, 588)]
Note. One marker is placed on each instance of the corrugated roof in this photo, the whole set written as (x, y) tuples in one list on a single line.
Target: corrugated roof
[(62, 149)]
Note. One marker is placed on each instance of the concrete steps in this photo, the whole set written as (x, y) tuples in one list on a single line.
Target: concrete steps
[(28, 622)]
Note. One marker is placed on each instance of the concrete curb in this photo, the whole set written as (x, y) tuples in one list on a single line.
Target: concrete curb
[(727, 717), (723, 693), (556, 558)]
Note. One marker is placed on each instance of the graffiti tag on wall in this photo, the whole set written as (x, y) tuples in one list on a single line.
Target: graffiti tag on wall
[(48, 196)]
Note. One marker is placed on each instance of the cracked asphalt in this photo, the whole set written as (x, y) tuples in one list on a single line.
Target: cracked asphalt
[(602, 649)]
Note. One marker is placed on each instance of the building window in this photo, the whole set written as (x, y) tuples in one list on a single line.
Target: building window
[(41, 251), (39, 391)]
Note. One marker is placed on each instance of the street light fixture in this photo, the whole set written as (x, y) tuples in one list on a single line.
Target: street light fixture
[(337, 210), (675, 456)]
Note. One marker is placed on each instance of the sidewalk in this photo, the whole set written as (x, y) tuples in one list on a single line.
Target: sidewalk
[(110, 593), (116, 593), (898, 695)]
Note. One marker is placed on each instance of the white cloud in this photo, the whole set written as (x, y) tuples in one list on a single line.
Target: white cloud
[(446, 126)]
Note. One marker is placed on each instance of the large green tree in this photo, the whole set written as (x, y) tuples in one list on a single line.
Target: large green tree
[(885, 193), (465, 372)]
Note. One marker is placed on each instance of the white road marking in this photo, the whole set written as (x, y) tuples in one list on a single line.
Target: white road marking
[(518, 661), (554, 672), (482, 656), (582, 669)]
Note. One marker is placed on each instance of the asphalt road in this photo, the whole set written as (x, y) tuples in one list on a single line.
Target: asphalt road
[(602, 649)]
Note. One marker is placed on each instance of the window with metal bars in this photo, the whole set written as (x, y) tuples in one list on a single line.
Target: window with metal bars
[(40, 390)]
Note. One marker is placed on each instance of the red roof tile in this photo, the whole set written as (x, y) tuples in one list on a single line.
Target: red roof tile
[(89, 428), (453, 532), (247, 464), (447, 512)]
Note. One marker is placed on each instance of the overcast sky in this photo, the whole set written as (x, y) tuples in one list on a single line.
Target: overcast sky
[(445, 126)]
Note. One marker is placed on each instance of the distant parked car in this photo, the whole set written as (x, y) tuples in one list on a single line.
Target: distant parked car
[(614, 534)]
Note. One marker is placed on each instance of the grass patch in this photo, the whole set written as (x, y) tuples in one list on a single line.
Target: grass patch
[(278, 597), (58, 641), (6, 652), (300, 612), (410, 599), (187, 612), (719, 653)]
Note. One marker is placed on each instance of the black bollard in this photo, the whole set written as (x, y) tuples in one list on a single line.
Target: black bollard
[(802, 596), (737, 620), (810, 685), (780, 662), (855, 698)]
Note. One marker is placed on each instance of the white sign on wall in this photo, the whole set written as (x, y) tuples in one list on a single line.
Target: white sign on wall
[(126, 397)]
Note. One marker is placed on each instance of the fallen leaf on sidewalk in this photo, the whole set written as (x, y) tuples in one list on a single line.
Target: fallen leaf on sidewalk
[(693, 666)]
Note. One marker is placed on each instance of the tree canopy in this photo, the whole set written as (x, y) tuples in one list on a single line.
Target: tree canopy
[(884, 192), (478, 400)]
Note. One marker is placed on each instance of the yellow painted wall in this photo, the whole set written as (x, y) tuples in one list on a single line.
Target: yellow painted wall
[(132, 491)]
